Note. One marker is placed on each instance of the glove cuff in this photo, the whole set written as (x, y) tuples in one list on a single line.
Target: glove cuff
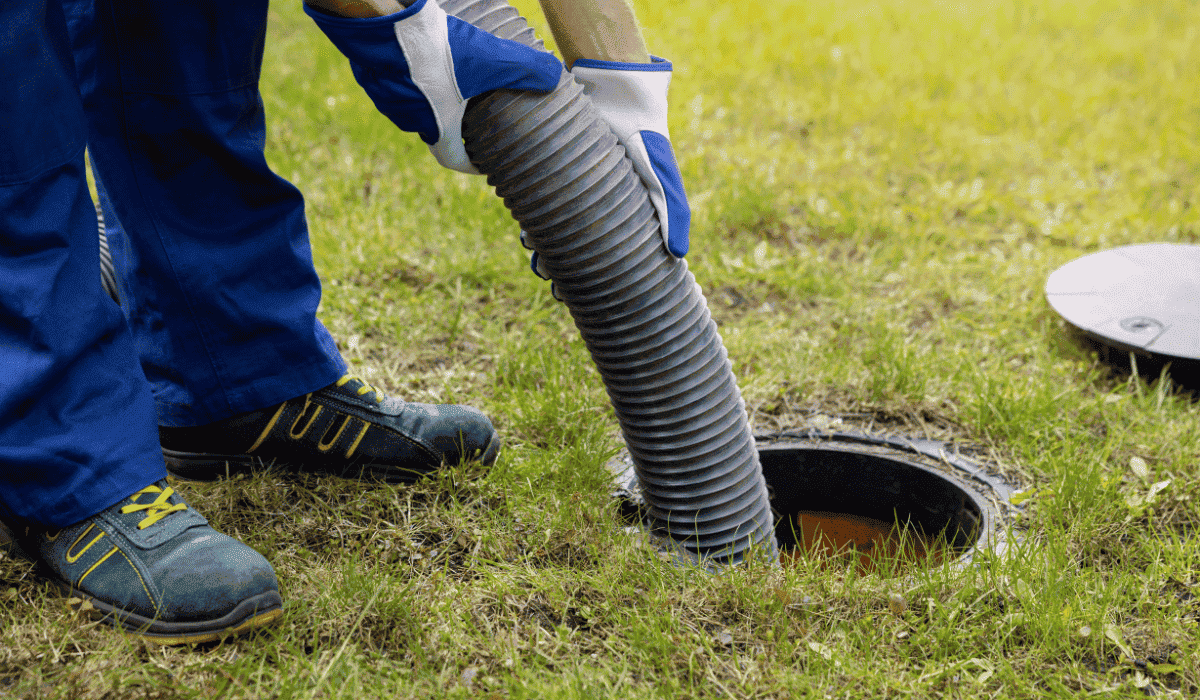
[(336, 23), (656, 64)]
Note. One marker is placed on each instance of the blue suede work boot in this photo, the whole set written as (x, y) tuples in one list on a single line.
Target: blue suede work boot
[(152, 565), (348, 429)]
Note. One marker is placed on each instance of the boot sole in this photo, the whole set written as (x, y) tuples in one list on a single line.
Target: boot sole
[(199, 466), (252, 613)]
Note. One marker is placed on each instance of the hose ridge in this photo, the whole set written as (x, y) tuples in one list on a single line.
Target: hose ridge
[(566, 180)]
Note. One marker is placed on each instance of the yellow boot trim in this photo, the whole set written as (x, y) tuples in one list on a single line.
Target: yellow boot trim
[(327, 446), (71, 559), (307, 402), (270, 424), (157, 509), (364, 389), (92, 568)]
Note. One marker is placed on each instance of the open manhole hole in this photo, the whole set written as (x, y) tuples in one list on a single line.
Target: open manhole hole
[(871, 498)]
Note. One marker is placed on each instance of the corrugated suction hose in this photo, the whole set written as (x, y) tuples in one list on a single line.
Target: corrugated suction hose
[(566, 180)]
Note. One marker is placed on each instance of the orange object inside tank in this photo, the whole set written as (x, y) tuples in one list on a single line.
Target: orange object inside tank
[(829, 535)]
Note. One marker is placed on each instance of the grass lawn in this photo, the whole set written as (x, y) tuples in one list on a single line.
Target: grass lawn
[(879, 191)]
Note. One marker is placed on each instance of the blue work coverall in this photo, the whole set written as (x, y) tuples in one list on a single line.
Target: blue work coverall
[(211, 248)]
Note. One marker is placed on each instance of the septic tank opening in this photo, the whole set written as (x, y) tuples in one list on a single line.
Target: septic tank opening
[(844, 501), (870, 497)]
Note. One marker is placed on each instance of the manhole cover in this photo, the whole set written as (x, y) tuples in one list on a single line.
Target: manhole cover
[(1140, 299)]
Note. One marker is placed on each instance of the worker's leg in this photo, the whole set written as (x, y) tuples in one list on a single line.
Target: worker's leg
[(217, 276), (77, 427)]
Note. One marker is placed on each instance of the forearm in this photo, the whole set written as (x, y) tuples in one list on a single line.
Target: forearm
[(359, 8), (600, 29), (606, 30)]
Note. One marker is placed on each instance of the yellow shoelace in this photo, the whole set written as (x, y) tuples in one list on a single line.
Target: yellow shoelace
[(157, 509), (364, 389)]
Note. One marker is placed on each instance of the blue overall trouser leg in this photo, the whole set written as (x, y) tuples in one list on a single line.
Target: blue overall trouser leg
[(211, 247), (77, 426)]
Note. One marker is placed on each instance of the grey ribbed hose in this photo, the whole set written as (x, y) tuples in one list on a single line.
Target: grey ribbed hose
[(561, 172)]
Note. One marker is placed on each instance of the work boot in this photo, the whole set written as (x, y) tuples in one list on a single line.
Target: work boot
[(151, 565), (348, 429)]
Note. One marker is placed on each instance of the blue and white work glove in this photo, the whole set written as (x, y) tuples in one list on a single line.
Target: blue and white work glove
[(632, 98), (420, 66)]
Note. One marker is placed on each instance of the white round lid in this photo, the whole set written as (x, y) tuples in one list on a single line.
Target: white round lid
[(1140, 297)]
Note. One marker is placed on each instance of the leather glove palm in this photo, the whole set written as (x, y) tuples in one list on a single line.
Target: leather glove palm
[(632, 98)]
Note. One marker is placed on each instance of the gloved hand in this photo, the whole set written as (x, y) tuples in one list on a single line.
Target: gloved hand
[(420, 66), (632, 98)]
